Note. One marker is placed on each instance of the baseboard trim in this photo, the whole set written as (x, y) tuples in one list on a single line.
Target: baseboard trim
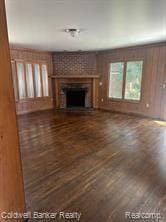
[(130, 113)]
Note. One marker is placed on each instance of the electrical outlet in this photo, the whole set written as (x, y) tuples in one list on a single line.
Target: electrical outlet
[(102, 100), (147, 105), (100, 83)]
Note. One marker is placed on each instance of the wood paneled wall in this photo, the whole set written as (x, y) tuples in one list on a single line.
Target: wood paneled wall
[(36, 104), (32, 55), (11, 181), (154, 73), (153, 96)]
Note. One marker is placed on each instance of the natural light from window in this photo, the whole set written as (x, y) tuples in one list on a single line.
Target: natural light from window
[(116, 80), (125, 80)]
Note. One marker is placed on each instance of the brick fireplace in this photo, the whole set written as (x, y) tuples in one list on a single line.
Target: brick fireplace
[(75, 91)]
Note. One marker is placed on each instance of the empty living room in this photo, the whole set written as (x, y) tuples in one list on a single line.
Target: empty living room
[(82, 110)]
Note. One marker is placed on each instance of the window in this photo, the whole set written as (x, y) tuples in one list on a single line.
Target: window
[(125, 80), (133, 80), (21, 80), (116, 80), (30, 80), (37, 80), (44, 79)]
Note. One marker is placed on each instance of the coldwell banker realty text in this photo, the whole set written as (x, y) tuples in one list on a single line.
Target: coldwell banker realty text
[(41, 215)]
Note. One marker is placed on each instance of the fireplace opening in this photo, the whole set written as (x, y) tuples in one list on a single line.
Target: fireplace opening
[(75, 98)]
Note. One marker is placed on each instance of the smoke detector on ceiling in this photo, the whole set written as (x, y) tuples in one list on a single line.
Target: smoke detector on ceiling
[(73, 32)]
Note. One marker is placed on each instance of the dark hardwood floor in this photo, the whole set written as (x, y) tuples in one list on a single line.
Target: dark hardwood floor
[(98, 163)]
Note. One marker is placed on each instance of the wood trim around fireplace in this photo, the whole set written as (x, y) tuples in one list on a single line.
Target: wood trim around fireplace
[(57, 81)]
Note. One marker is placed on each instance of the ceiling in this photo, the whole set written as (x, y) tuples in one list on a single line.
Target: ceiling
[(105, 24)]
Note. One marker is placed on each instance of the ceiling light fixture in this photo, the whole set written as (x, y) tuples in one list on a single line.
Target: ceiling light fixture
[(73, 32)]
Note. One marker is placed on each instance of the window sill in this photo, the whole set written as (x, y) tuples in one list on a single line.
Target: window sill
[(124, 100), (32, 99)]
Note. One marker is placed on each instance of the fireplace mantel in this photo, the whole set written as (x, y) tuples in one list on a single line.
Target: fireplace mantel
[(60, 80), (75, 76)]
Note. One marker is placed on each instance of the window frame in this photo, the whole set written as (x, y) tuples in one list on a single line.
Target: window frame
[(19, 97), (109, 77), (124, 80), (34, 95), (32, 62), (41, 73)]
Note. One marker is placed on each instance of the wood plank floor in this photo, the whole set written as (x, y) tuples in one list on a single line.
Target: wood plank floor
[(98, 163)]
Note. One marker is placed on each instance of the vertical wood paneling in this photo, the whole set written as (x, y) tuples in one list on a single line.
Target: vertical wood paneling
[(38, 57), (154, 58), (161, 83), (15, 80)]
